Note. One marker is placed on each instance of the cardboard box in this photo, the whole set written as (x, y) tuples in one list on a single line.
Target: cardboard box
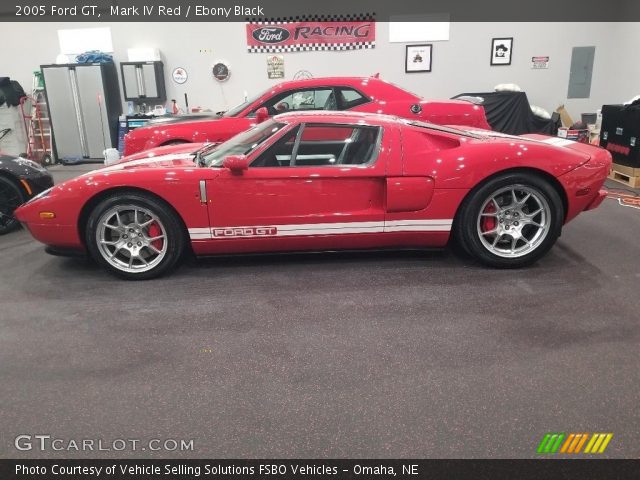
[(581, 135), (564, 116)]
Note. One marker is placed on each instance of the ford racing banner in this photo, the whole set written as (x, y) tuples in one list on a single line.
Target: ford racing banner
[(323, 32)]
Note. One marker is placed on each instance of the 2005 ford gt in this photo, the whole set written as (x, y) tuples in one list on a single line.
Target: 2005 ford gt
[(325, 181)]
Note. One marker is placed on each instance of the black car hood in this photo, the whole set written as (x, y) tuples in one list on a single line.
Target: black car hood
[(183, 118)]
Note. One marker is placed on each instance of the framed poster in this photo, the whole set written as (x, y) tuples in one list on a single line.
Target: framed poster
[(418, 58), (275, 66), (501, 50)]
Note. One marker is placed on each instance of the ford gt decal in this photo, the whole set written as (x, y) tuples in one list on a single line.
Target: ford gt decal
[(437, 225)]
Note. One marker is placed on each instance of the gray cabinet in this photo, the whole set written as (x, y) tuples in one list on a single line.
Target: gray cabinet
[(143, 81), (84, 105)]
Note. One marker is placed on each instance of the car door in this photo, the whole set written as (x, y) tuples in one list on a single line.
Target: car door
[(319, 185)]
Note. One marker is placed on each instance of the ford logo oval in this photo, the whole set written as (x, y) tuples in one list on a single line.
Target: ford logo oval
[(271, 34)]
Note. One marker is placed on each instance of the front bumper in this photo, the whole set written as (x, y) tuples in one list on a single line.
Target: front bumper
[(62, 236), (583, 185), (65, 252), (595, 203)]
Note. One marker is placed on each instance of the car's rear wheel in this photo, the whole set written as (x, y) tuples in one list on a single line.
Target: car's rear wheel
[(135, 236), (11, 197), (511, 220)]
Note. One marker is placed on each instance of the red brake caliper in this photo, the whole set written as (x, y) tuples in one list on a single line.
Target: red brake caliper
[(489, 223), (155, 231)]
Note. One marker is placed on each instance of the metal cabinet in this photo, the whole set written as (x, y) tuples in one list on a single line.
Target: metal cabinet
[(84, 105), (143, 81)]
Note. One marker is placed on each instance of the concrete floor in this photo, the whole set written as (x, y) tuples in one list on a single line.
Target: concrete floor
[(408, 354)]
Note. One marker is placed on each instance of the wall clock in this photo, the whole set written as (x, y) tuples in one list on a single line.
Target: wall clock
[(221, 71)]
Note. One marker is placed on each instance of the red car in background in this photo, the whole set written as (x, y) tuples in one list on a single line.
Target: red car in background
[(368, 94), (325, 181)]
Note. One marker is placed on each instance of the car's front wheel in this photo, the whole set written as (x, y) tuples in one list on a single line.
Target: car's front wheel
[(135, 236), (11, 197), (511, 220)]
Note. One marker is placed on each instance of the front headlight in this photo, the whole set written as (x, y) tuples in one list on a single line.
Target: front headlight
[(25, 162)]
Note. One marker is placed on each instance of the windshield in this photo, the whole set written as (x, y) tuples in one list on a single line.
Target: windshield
[(241, 106), (242, 144)]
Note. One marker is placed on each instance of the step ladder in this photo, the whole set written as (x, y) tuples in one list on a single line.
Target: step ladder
[(38, 123)]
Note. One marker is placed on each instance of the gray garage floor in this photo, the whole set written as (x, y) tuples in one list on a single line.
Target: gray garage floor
[(407, 354)]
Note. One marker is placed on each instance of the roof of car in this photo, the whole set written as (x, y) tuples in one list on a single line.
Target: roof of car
[(329, 81)]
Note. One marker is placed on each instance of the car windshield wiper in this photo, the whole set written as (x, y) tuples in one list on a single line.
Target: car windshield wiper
[(198, 159), (198, 154)]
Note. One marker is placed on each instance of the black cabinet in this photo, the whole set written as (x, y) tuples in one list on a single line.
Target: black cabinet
[(620, 133)]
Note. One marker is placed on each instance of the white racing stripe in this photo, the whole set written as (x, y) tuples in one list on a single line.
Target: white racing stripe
[(200, 233), (418, 226), (558, 142), (555, 141), (140, 161), (437, 225)]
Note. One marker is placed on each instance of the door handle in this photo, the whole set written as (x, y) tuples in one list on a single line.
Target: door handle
[(203, 192)]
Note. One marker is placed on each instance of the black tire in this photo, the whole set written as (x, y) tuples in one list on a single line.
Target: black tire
[(173, 230), (466, 228), (11, 197), (47, 160)]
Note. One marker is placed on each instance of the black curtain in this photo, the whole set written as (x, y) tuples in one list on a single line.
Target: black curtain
[(10, 92), (510, 112)]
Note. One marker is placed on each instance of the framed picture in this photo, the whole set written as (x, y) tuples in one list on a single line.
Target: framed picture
[(418, 58), (501, 50)]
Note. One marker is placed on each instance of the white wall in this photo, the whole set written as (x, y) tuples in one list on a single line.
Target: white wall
[(625, 68), (459, 65)]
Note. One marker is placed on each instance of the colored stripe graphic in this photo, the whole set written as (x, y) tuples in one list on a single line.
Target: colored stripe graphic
[(573, 443), (581, 442), (598, 443), (550, 442), (565, 447)]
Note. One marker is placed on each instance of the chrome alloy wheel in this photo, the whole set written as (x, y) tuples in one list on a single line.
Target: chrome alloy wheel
[(514, 221), (131, 238)]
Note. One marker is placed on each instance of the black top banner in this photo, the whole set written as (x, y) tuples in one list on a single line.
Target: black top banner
[(320, 469), (384, 10)]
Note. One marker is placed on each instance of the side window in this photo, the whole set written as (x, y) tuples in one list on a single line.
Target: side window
[(323, 146), (279, 154), (312, 99), (351, 98)]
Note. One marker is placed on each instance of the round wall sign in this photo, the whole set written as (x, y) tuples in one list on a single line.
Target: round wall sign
[(221, 71), (179, 75)]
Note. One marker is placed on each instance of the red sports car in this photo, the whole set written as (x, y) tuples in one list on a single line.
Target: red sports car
[(340, 93), (325, 181)]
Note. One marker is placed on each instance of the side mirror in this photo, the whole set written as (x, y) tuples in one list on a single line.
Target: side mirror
[(236, 163), (262, 114)]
